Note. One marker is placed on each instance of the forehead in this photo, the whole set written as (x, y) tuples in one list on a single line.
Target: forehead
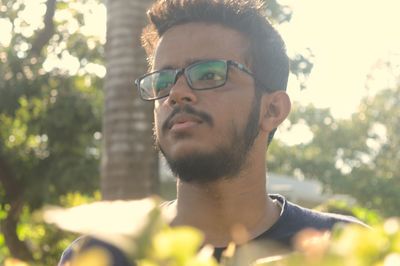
[(184, 44)]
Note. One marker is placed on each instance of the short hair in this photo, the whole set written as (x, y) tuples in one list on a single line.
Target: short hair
[(267, 52)]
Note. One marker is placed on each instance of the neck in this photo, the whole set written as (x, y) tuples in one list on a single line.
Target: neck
[(230, 209)]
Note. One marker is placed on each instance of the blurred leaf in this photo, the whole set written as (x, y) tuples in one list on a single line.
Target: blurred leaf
[(179, 243)]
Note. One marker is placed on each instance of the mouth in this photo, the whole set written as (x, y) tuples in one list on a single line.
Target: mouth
[(183, 121), (184, 118)]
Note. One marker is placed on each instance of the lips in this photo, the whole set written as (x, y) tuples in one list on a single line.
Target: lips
[(186, 116), (183, 121)]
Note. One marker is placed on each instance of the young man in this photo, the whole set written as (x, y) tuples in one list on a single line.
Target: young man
[(218, 75)]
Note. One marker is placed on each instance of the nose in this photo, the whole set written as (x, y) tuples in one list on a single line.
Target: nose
[(181, 93)]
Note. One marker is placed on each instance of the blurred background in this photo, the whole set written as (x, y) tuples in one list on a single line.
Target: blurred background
[(73, 131)]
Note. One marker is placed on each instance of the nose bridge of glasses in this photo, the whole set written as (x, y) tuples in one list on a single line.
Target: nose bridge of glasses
[(178, 72), (180, 92), (181, 72)]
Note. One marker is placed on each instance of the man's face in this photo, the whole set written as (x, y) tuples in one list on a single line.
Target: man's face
[(205, 135)]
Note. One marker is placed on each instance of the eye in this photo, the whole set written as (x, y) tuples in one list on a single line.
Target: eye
[(208, 74), (211, 76)]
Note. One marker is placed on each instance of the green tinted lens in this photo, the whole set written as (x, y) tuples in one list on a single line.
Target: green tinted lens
[(157, 84), (207, 75)]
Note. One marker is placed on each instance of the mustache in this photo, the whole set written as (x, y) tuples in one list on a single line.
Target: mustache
[(187, 109)]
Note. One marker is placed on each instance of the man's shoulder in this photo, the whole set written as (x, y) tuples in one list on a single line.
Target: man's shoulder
[(295, 218), (315, 219)]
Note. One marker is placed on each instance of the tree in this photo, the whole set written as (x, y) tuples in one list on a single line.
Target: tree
[(49, 112), (129, 162), (357, 156)]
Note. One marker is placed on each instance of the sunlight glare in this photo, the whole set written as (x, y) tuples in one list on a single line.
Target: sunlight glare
[(296, 134), (5, 29), (95, 21), (347, 39)]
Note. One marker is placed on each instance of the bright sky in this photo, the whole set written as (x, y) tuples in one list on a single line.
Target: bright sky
[(347, 37)]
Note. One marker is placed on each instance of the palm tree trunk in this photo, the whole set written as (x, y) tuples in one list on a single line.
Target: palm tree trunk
[(129, 163)]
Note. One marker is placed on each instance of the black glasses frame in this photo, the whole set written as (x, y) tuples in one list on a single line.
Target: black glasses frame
[(183, 71)]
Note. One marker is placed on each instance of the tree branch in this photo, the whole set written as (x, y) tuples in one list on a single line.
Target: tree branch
[(45, 35)]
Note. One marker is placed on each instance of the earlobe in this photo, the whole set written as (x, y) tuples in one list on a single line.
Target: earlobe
[(275, 108)]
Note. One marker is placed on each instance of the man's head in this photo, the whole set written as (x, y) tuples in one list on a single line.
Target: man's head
[(206, 131), (265, 54)]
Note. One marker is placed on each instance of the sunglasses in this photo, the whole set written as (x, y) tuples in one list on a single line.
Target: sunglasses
[(203, 75)]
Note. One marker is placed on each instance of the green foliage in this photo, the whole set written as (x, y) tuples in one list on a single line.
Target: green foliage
[(357, 156), (4, 252), (46, 241), (50, 113), (48, 118)]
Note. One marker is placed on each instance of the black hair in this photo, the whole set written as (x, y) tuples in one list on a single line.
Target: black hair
[(266, 52)]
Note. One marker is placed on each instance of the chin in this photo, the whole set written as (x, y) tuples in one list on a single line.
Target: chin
[(186, 148), (203, 167)]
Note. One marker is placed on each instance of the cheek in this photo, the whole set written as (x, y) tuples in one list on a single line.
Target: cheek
[(158, 121), (234, 112)]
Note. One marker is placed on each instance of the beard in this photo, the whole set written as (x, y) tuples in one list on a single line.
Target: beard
[(226, 160)]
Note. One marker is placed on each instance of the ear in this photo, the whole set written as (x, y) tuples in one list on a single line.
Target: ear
[(275, 107)]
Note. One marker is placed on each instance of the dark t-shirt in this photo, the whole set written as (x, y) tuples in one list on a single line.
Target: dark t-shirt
[(292, 220)]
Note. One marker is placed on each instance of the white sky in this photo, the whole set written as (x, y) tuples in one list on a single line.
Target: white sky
[(347, 37)]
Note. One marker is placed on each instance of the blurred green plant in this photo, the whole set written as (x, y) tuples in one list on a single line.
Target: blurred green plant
[(170, 246), (45, 241), (138, 228), (147, 240), (351, 245)]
